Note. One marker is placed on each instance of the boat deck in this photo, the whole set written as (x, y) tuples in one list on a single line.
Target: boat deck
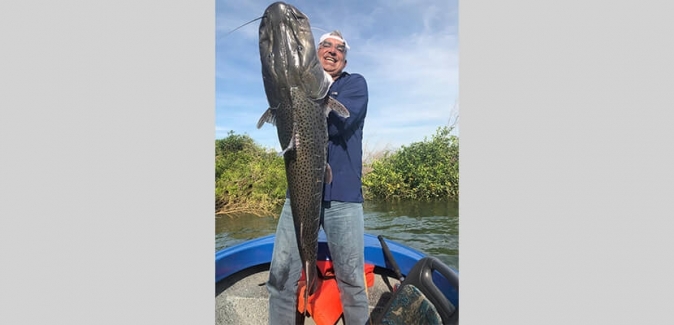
[(243, 297)]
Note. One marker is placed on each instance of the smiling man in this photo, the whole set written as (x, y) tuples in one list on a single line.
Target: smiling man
[(342, 208), (342, 217), (332, 53)]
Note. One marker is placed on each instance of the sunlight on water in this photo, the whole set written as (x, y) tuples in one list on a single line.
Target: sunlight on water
[(429, 227)]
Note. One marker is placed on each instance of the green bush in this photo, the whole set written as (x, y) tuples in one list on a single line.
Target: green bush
[(248, 178), (422, 170)]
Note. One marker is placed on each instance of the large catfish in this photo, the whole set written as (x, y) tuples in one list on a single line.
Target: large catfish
[(297, 90)]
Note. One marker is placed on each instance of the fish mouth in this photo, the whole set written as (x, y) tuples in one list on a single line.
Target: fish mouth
[(275, 12), (287, 30), (286, 20), (282, 13)]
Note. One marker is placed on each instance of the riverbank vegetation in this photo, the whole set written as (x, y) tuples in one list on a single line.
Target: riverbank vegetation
[(251, 179), (420, 171), (248, 178)]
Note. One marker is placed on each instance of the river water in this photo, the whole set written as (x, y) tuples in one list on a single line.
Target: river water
[(430, 227)]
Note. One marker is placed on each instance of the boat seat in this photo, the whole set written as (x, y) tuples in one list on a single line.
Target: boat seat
[(419, 301)]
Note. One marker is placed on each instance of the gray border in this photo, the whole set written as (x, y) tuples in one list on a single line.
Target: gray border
[(566, 164), (106, 131), (107, 181)]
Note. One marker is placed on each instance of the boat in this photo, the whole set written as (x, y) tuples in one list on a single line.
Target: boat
[(404, 285)]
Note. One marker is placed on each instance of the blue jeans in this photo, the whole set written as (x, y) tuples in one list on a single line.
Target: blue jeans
[(344, 230)]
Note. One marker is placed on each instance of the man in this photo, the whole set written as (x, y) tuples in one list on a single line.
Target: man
[(342, 211)]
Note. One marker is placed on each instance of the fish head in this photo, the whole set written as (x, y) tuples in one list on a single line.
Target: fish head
[(288, 54)]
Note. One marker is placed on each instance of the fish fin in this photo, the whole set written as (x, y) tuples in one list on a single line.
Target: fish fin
[(328, 79), (337, 107), (290, 146), (268, 116), (328, 174), (316, 88), (293, 142)]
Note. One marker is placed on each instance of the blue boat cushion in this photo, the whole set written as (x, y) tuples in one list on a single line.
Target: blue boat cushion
[(410, 306)]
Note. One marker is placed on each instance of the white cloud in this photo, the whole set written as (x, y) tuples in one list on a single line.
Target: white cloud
[(413, 81)]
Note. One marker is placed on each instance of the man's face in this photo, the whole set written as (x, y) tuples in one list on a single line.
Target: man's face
[(331, 53)]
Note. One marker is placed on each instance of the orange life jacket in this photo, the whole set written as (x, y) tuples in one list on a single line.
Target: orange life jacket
[(325, 305)]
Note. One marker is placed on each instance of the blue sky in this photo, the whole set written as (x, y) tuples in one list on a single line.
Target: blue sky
[(406, 50)]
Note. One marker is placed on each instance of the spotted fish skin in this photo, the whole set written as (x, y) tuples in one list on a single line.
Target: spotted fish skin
[(297, 91)]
